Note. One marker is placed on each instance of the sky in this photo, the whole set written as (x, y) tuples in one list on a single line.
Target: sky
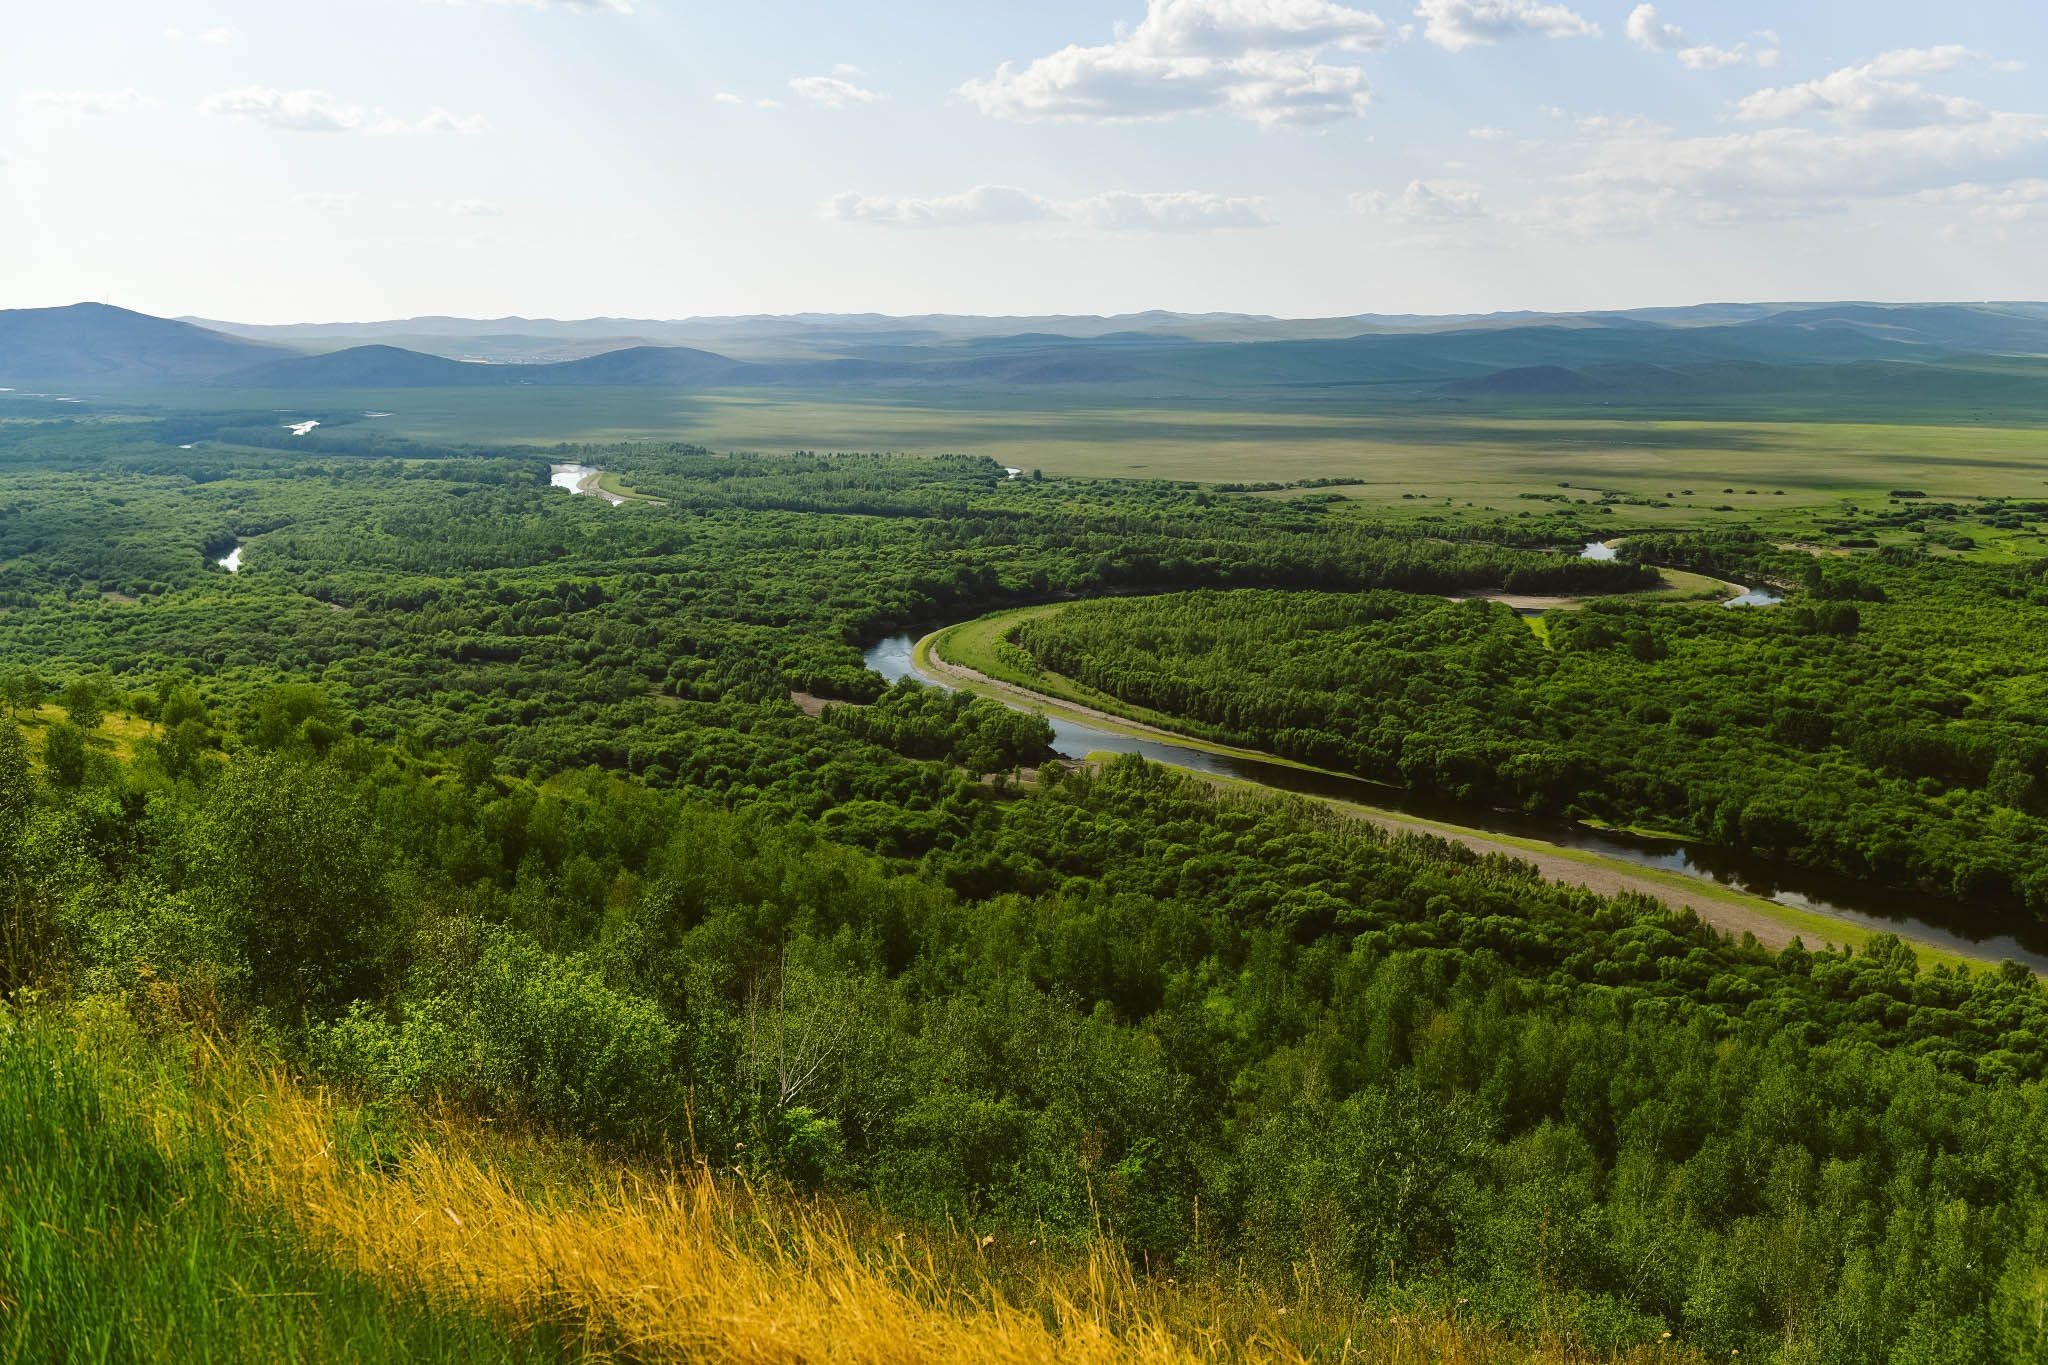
[(325, 160)]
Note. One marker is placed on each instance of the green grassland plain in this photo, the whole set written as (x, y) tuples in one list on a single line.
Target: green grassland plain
[(1400, 448), (1411, 457)]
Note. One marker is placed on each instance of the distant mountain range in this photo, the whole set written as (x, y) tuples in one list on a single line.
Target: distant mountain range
[(815, 335), (1715, 348)]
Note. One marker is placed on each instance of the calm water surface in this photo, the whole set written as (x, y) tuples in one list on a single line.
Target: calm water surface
[(572, 477)]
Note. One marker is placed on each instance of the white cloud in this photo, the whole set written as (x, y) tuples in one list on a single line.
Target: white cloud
[(1262, 60), (1646, 30), (1878, 93), (1608, 211), (1177, 211), (1862, 135), (1004, 205), (2019, 201), (87, 103), (477, 208), (1619, 211), (1424, 203), (212, 36), (834, 92), (765, 103), (984, 205), (325, 203), (1618, 125), (1623, 211), (1458, 24), (1708, 58), (727, 97), (297, 111), (1227, 29), (439, 120), (316, 111), (1486, 134), (1652, 34), (1790, 165)]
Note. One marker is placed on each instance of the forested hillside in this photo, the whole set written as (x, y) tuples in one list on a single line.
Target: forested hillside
[(1246, 1039)]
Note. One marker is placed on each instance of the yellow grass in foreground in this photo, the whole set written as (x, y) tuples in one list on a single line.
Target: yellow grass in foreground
[(683, 1267), (687, 1266)]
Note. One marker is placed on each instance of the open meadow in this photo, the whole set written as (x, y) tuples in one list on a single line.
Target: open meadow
[(1413, 457)]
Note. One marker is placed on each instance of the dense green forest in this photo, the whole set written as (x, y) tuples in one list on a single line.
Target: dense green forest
[(1887, 722), (461, 599), (468, 791)]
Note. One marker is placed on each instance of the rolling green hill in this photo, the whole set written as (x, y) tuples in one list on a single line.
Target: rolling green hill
[(93, 343)]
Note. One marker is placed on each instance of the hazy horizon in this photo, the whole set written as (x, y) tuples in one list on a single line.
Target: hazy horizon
[(205, 318)]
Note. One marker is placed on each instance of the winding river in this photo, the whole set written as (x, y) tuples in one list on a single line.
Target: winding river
[(581, 478), (1885, 911), (1605, 550)]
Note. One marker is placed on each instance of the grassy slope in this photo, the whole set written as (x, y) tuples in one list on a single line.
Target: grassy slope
[(122, 1238), (164, 1199), (117, 733)]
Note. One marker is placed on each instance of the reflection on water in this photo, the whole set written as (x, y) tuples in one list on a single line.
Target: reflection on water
[(581, 478), (1754, 597), (232, 560), (1596, 549), (1873, 908)]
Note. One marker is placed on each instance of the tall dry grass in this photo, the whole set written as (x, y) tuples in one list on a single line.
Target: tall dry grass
[(550, 1251), (683, 1266), (688, 1266)]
